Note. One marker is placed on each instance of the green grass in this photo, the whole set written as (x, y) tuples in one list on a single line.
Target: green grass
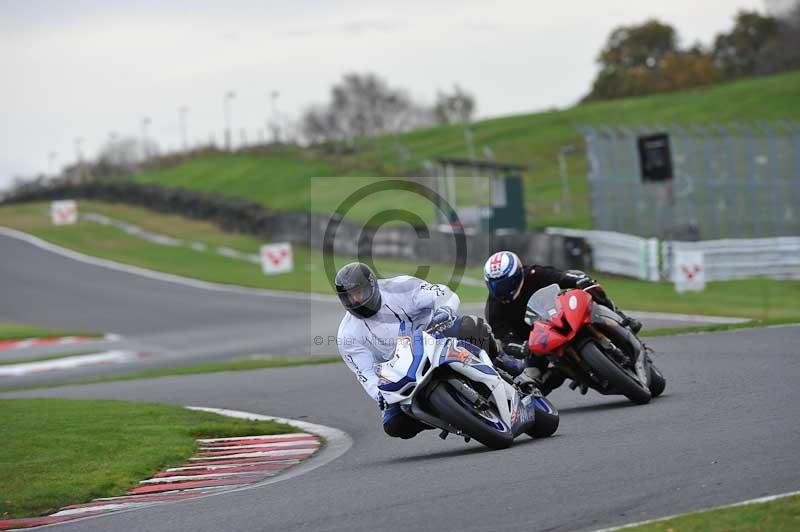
[(16, 331), (282, 181), (781, 515), (58, 452), (761, 299), (287, 182)]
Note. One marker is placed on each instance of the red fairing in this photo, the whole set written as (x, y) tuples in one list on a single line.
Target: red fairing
[(573, 311)]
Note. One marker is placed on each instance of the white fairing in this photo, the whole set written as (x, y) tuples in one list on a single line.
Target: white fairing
[(404, 375)]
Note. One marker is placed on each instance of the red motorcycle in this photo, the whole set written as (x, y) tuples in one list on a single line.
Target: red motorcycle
[(590, 345)]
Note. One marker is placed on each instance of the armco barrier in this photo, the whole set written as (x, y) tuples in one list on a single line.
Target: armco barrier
[(727, 259), (633, 256), (619, 253)]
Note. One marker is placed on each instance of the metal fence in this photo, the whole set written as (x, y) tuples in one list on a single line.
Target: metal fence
[(727, 259), (650, 259), (732, 181)]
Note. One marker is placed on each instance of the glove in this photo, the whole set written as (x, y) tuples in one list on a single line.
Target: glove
[(582, 280), (442, 319), (516, 350), (381, 401), (591, 287)]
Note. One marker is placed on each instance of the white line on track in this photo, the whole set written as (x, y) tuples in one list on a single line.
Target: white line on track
[(270, 445), (210, 476), (336, 441), (274, 437), (149, 496), (698, 318), (255, 454), (69, 362), (102, 508), (219, 467), (159, 276), (734, 505)]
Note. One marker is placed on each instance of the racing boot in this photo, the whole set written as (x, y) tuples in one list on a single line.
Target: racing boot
[(632, 323), (552, 379), (544, 378)]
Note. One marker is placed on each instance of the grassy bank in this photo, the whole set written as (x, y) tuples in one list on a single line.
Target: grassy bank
[(283, 180), (59, 452), (16, 331), (762, 299), (781, 515)]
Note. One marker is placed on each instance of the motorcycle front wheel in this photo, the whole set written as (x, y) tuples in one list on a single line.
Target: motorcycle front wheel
[(618, 379), (485, 427), (657, 381), (546, 421)]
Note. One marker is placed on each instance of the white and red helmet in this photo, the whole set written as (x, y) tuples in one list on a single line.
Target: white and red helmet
[(504, 276)]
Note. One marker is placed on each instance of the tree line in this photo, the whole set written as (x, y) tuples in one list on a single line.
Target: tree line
[(364, 105), (647, 58)]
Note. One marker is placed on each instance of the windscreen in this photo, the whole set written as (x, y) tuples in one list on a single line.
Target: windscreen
[(542, 304)]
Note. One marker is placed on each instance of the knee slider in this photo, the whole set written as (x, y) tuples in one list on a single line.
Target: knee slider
[(401, 427)]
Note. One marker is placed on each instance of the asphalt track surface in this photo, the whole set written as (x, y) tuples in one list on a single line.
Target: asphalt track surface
[(725, 430)]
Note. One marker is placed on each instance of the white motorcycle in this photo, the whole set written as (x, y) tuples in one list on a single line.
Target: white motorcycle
[(452, 385)]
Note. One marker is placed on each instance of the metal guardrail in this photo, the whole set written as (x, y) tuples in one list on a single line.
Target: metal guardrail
[(651, 260), (774, 258), (620, 253)]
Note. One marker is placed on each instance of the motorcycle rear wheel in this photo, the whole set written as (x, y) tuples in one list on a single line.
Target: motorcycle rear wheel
[(617, 378), (459, 413)]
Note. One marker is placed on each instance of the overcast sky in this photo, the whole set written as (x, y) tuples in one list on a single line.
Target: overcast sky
[(86, 68)]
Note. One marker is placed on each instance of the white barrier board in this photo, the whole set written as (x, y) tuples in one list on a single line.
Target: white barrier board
[(689, 271), (64, 212), (277, 258)]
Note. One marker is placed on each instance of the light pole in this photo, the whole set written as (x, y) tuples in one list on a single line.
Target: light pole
[(145, 148), (182, 112), (51, 162), (562, 164), (78, 152), (230, 95), (468, 138), (79, 155), (275, 126)]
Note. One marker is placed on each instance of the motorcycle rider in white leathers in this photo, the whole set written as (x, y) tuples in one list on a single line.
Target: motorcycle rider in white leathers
[(375, 310)]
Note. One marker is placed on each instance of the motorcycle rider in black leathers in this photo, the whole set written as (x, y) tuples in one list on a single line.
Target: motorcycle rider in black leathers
[(511, 284)]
